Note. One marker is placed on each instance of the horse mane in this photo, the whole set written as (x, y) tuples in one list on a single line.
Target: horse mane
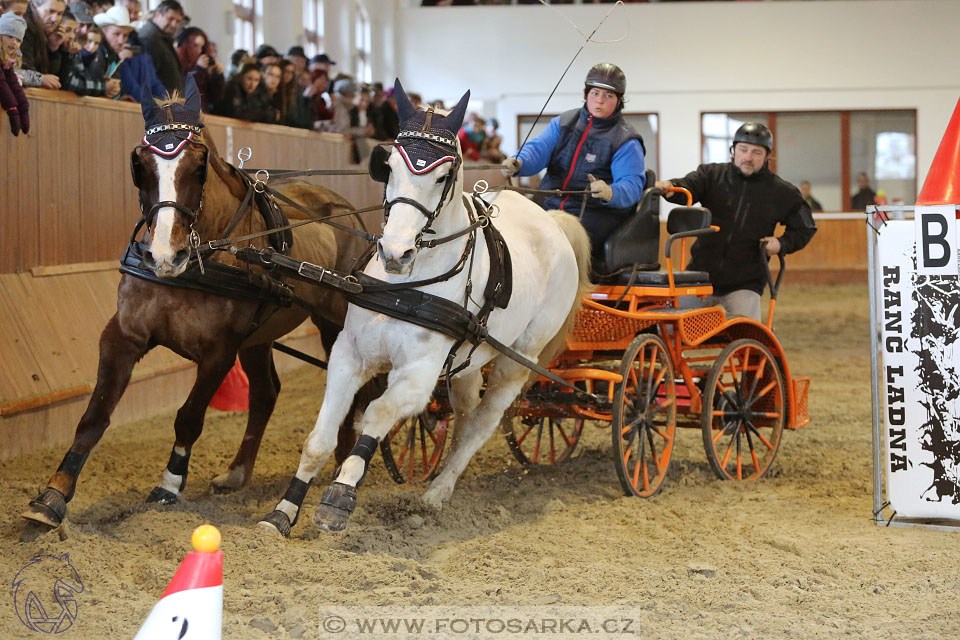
[(170, 99)]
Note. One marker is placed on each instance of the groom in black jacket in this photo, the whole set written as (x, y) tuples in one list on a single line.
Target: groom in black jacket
[(746, 200)]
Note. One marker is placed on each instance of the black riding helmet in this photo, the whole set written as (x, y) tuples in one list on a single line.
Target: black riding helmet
[(606, 76), (754, 133)]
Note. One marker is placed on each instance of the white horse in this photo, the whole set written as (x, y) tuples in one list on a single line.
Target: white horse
[(550, 254)]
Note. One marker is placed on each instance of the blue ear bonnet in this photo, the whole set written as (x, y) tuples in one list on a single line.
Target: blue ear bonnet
[(169, 128), (427, 139), (423, 148)]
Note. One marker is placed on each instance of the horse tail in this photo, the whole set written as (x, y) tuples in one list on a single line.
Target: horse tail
[(580, 242)]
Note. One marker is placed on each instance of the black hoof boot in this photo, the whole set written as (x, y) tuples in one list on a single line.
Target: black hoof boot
[(163, 496), (337, 503), (48, 508), (276, 521)]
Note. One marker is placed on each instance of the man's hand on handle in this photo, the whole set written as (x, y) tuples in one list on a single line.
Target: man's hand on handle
[(663, 185), (772, 246)]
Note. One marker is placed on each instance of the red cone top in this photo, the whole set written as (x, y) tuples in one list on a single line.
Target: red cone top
[(942, 185), (233, 394), (198, 570)]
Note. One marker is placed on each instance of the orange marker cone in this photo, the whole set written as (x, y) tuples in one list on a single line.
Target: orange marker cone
[(192, 605), (233, 394), (942, 185)]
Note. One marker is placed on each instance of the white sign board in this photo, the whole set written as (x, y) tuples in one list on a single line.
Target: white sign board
[(936, 237), (920, 368)]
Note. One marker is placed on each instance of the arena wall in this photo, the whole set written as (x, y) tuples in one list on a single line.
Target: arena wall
[(66, 214), (65, 218)]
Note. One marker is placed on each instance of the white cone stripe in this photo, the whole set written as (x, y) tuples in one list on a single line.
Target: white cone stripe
[(202, 609)]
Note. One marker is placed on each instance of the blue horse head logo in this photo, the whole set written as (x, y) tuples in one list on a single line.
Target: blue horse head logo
[(45, 593)]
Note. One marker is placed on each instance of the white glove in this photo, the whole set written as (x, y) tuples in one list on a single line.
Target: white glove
[(600, 189), (510, 166)]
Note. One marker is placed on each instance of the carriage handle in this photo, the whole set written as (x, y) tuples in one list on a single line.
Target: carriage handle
[(765, 259), (684, 191)]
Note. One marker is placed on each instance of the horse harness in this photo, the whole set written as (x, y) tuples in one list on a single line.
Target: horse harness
[(398, 300), (168, 141)]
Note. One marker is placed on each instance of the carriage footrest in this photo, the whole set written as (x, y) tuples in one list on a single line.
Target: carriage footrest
[(801, 389)]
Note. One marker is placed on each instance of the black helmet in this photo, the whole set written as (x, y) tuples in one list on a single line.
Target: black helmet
[(607, 76), (754, 133)]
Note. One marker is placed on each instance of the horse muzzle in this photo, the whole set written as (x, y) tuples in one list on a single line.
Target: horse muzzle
[(167, 268), (396, 260)]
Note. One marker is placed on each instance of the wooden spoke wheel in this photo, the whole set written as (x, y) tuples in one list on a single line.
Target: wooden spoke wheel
[(413, 448), (644, 416), (536, 437), (744, 411)]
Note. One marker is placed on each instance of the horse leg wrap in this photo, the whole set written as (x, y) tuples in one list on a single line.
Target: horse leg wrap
[(72, 465), (337, 503), (50, 508), (179, 465), (280, 521), (364, 449), (295, 494)]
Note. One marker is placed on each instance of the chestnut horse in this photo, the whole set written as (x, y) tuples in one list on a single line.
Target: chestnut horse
[(180, 196)]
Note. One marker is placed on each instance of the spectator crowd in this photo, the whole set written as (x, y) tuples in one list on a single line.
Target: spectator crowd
[(115, 50)]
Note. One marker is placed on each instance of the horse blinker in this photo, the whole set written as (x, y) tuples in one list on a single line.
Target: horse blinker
[(379, 166)]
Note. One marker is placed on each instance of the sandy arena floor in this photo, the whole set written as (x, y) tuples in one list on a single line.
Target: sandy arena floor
[(794, 555)]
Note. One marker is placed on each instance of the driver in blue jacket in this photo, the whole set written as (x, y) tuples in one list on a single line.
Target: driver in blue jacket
[(593, 148)]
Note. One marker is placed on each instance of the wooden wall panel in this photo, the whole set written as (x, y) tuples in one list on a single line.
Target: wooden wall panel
[(836, 254), (73, 200)]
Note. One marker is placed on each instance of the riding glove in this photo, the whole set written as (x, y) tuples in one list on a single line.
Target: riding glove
[(600, 189), (14, 116), (510, 166)]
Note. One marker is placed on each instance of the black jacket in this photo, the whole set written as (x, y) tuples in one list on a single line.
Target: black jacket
[(36, 56), (746, 209), (165, 61)]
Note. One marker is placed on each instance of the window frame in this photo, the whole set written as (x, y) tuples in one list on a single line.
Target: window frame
[(247, 17), (845, 114), (314, 31)]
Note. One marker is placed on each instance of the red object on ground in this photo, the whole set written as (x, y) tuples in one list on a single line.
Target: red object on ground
[(233, 392), (942, 185)]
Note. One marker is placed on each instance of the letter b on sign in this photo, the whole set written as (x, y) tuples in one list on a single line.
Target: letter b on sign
[(936, 240)]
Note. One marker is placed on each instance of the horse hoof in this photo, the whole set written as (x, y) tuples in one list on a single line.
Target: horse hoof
[(232, 480), (222, 484), (49, 508), (161, 495), (337, 503), (331, 519), (275, 522), (432, 499)]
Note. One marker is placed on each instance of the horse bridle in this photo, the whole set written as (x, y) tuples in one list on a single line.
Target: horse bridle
[(447, 145), (148, 216)]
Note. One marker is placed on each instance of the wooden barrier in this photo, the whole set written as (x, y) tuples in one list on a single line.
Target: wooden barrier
[(67, 209), (837, 254), (66, 212)]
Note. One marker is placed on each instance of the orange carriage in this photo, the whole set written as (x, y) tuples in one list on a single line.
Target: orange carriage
[(644, 366)]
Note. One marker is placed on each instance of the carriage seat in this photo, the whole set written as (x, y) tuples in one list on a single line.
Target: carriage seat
[(683, 222), (635, 242)]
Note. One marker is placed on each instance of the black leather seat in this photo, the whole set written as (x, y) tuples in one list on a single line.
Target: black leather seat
[(635, 242), (682, 222)]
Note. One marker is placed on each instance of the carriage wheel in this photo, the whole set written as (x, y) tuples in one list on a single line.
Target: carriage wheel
[(535, 439), (744, 411), (644, 416), (413, 448)]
